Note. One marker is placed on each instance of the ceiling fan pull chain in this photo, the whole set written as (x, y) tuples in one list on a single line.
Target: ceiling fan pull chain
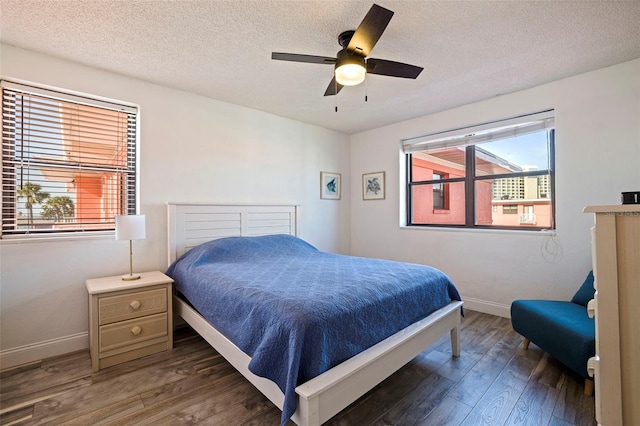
[(366, 86)]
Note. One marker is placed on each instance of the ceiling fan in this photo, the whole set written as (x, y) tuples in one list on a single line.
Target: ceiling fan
[(352, 63)]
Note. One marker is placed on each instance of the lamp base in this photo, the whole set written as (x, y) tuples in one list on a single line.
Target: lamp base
[(130, 277)]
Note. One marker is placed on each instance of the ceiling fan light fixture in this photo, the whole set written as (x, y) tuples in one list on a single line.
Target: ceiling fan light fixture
[(350, 70)]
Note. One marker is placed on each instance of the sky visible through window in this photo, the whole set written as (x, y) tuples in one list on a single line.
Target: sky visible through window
[(526, 150)]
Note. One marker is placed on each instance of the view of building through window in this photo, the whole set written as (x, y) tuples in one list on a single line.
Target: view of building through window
[(66, 166), (511, 179)]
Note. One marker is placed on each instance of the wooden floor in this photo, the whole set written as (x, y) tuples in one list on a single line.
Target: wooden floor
[(493, 382)]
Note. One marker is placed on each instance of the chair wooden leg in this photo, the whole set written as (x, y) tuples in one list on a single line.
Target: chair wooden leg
[(525, 344), (588, 387)]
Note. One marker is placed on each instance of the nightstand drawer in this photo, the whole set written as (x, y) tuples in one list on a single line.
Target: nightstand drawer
[(137, 330), (132, 305)]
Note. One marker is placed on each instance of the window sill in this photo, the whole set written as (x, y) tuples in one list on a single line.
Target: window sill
[(537, 233), (42, 238)]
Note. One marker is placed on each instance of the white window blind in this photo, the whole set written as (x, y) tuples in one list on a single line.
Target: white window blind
[(68, 162), (511, 127)]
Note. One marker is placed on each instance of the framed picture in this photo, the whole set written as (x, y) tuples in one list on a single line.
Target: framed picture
[(330, 186), (373, 186)]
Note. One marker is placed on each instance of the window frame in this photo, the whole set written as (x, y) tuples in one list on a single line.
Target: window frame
[(470, 179), (128, 176)]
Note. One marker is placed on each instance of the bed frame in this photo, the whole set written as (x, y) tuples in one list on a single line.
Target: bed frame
[(324, 396)]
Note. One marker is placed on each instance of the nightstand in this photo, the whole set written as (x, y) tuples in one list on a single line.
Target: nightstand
[(129, 319)]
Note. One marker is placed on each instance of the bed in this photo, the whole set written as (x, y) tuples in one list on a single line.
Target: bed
[(317, 384)]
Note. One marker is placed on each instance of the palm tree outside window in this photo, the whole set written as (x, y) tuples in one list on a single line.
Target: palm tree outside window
[(33, 194)]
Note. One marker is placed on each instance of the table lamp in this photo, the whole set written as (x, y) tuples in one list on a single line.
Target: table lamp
[(130, 227)]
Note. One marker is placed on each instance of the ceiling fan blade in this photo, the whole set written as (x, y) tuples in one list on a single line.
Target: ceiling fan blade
[(370, 29), (294, 57), (333, 88), (392, 68)]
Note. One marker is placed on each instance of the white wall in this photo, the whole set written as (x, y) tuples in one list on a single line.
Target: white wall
[(597, 157), (192, 149)]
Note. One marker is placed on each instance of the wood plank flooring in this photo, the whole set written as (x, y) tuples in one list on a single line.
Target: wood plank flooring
[(493, 382)]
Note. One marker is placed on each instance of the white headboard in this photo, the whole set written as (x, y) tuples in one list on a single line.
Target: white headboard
[(192, 224)]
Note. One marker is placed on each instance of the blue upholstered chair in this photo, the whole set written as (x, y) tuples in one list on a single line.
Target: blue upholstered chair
[(561, 329)]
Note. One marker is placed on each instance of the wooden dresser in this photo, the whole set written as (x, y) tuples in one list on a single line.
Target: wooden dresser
[(616, 267), (129, 319)]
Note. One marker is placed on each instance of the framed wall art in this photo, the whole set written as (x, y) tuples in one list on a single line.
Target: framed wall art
[(330, 186), (373, 186)]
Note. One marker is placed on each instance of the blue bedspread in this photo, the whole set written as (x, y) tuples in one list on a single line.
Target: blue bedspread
[(298, 311)]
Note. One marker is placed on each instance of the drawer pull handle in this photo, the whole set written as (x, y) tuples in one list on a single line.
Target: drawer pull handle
[(592, 308), (136, 330), (135, 305), (592, 366)]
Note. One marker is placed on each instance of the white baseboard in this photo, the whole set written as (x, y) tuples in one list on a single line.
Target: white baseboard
[(37, 351), (487, 307)]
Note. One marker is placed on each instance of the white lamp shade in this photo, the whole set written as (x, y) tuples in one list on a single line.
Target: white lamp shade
[(130, 227)]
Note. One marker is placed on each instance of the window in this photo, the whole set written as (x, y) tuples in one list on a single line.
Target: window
[(510, 209), (68, 162), (493, 175), (439, 196), (528, 215)]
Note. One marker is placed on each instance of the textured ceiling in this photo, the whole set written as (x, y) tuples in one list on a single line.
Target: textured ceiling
[(470, 50)]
